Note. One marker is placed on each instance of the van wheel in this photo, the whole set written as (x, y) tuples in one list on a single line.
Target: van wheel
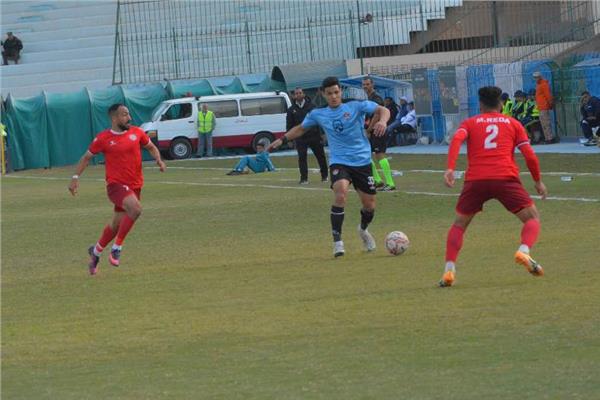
[(180, 148), (264, 138)]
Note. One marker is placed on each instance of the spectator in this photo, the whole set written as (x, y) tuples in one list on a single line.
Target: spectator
[(259, 164), (507, 104), (397, 121), (518, 109), (394, 109), (408, 125), (545, 103), (185, 111), (301, 106), (590, 113), (391, 105), (530, 119), (12, 48), (206, 125)]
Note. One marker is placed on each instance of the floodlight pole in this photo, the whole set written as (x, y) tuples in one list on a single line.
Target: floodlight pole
[(362, 68)]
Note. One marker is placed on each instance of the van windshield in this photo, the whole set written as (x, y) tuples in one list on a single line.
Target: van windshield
[(158, 111)]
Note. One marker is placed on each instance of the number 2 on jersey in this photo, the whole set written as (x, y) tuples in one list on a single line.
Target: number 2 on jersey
[(492, 131)]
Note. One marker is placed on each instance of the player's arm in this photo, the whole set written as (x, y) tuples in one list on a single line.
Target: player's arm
[(154, 152), (292, 134), (378, 123), (81, 166), (457, 140), (533, 164)]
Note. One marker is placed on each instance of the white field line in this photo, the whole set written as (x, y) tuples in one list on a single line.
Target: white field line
[(424, 171), (321, 189)]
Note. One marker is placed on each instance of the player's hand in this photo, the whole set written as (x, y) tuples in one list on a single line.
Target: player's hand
[(74, 186), (379, 128), (449, 177), (161, 165), (274, 145), (541, 189)]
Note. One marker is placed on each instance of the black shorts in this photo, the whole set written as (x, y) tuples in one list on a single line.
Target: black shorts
[(378, 143), (360, 177)]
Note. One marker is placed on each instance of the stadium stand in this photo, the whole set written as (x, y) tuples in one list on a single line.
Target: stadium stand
[(67, 45)]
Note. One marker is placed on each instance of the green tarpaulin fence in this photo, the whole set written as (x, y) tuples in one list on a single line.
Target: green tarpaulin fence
[(51, 130)]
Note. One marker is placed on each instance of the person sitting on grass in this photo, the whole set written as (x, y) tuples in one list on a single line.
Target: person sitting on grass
[(261, 163)]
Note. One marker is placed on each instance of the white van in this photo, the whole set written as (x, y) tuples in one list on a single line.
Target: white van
[(242, 120)]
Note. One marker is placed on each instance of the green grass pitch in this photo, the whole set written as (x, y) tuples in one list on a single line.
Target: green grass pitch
[(228, 290)]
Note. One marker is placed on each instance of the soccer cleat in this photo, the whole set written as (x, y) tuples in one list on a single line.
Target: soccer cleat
[(114, 257), (379, 184), (367, 239), (591, 142), (338, 249), (529, 263), (234, 172), (303, 182), (94, 260), (386, 188), (325, 179), (447, 279)]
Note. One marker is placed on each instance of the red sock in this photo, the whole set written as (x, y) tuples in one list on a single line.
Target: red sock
[(454, 242), (107, 235), (530, 232), (124, 228)]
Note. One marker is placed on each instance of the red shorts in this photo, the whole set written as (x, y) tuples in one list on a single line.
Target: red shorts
[(117, 193), (510, 193)]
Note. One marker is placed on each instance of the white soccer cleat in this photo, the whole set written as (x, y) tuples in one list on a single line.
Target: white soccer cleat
[(338, 249), (367, 239)]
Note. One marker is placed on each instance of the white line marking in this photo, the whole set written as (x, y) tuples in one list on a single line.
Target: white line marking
[(424, 171), (234, 185)]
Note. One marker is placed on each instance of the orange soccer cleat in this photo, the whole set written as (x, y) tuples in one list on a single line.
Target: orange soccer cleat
[(447, 279), (529, 263)]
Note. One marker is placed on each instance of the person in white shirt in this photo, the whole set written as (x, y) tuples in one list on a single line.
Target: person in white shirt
[(405, 124)]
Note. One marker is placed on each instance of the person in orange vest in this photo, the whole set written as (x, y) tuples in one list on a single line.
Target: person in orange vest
[(545, 103)]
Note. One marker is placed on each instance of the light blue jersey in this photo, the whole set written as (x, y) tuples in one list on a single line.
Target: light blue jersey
[(344, 126)]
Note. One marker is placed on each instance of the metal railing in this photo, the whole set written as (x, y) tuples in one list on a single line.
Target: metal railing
[(168, 39), (186, 39), (542, 33)]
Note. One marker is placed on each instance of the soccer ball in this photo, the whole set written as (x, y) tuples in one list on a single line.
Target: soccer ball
[(396, 243)]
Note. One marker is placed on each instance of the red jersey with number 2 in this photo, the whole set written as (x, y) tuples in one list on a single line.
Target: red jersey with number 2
[(491, 142), (123, 155)]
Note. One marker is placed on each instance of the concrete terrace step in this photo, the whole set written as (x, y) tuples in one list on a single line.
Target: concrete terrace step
[(72, 23), (57, 77), (21, 6), (65, 66), (69, 44), (54, 15), (73, 54), (59, 34)]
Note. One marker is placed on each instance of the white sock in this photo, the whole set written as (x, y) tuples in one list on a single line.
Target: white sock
[(450, 266), (524, 248), (115, 247), (96, 252)]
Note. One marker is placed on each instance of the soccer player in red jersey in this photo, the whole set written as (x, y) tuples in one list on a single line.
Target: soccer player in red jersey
[(493, 174), (121, 146)]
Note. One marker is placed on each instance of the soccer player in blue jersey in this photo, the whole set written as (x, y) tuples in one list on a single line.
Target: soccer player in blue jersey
[(349, 155)]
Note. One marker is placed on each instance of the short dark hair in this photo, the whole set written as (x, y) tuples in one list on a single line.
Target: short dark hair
[(113, 109), (368, 78), (489, 96), (330, 81), (584, 93)]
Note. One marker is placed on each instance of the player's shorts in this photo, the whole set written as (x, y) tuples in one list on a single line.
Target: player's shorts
[(510, 193), (117, 192), (378, 143), (360, 177)]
